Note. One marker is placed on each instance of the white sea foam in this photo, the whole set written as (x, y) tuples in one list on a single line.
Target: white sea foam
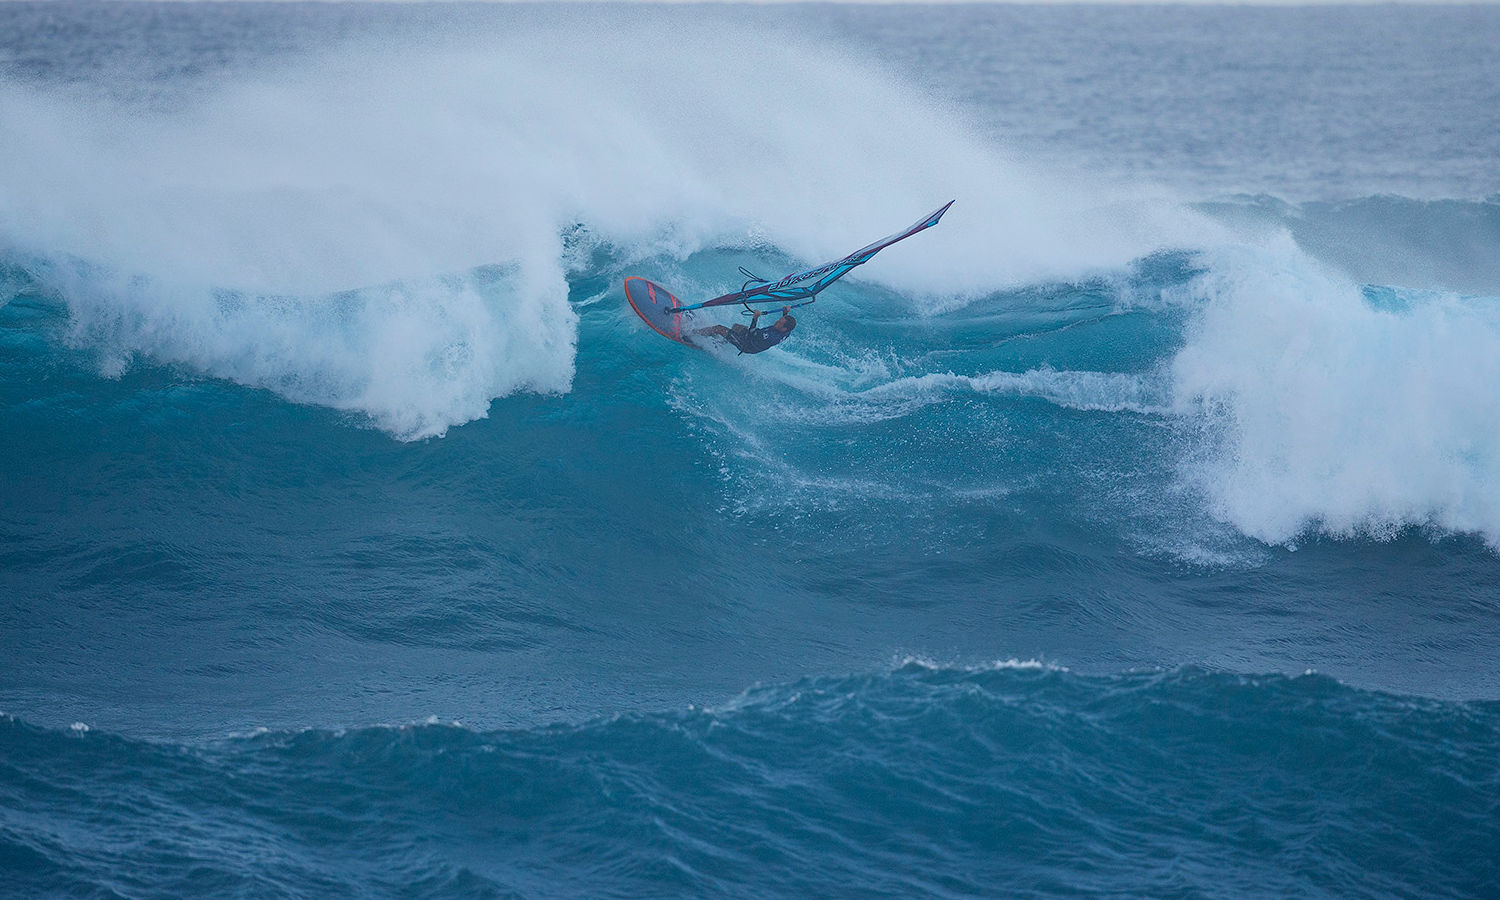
[(845, 401), (1332, 413), (998, 665), (1080, 390)]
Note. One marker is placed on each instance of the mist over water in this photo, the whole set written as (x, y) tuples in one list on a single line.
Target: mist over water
[(324, 414)]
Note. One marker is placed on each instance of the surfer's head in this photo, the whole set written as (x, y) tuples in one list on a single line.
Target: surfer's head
[(784, 324)]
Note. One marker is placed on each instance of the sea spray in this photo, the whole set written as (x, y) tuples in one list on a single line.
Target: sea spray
[(1338, 414)]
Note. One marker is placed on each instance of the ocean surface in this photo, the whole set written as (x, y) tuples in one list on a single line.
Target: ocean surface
[(1134, 533)]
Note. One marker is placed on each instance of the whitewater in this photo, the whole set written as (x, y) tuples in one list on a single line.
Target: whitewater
[(1132, 532)]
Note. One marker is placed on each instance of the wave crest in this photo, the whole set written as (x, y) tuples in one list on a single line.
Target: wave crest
[(1336, 413)]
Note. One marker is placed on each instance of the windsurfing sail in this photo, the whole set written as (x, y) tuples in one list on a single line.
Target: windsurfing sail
[(805, 285)]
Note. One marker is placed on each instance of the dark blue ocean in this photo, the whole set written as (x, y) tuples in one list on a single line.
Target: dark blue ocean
[(1135, 532)]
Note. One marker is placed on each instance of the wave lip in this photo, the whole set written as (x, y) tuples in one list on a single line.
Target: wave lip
[(412, 357)]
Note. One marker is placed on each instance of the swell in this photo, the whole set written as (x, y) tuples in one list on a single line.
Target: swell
[(1247, 386), (327, 233), (926, 779)]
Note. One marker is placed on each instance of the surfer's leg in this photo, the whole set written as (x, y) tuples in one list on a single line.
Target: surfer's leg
[(718, 331), (737, 335)]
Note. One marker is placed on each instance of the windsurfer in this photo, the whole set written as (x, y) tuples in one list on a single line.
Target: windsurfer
[(750, 339)]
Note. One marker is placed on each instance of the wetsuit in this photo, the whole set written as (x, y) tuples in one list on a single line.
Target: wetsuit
[(754, 340)]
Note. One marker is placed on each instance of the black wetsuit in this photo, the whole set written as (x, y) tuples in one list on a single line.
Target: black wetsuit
[(754, 340)]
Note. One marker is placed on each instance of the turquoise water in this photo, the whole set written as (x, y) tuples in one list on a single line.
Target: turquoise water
[(1133, 532)]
